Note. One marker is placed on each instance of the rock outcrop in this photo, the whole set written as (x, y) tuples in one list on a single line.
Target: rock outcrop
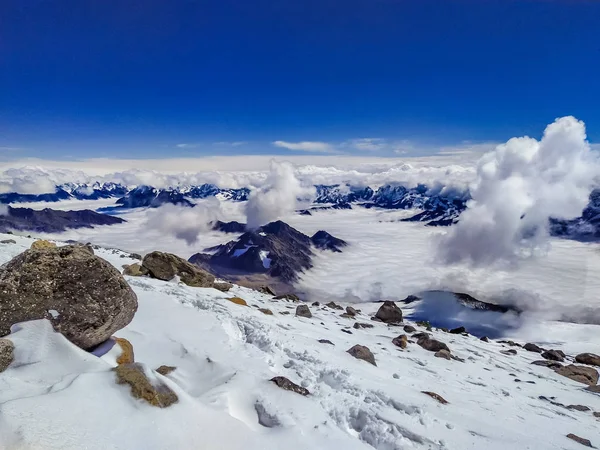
[(83, 296), (165, 266)]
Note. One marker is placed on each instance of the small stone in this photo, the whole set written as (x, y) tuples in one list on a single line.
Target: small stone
[(581, 408), (290, 297), (135, 256), (554, 355), (588, 358), (437, 397), (485, 339), (510, 351), (351, 311), (443, 354), (401, 341), (459, 330), (533, 348), (582, 441), (238, 301), (396, 376), (316, 304), (432, 345), (288, 385), (511, 343), (409, 329), (581, 374), (126, 356), (546, 363), (303, 311), (166, 370), (8, 241), (597, 414), (594, 389), (359, 325), (266, 290), (333, 305), (134, 270), (346, 331), (362, 352), (7, 354), (285, 313), (266, 311), (155, 392), (223, 287), (346, 316), (42, 244), (326, 341), (389, 313)]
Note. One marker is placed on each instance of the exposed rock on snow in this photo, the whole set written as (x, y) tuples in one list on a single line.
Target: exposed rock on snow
[(238, 301), (554, 355), (165, 266), (547, 363), (144, 385), (433, 345), (409, 329), (222, 286), (533, 348), (459, 330), (266, 311), (443, 354), (135, 270), (7, 350), (588, 358), (91, 298), (334, 305), (42, 244), (8, 241), (166, 370), (582, 441), (351, 311), (581, 374), (288, 385), (389, 313), (437, 397), (303, 311), (400, 341), (362, 352)]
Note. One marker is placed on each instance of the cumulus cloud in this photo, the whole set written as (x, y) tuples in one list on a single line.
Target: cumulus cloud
[(306, 146), (183, 222), (277, 197), (519, 186)]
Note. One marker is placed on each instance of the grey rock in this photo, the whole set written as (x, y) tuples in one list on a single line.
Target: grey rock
[(223, 287), (546, 363), (401, 341), (326, 341), (83, 296), (485, 339), (431, 344), (303, 311), (588, 358), (459, 330), (8, 241), (389, 313), (510, 351), (288, 385), (409, 329), (351, 311), (7, 354), (165, 266), (581, 374), (359, 325), (362, 352), (443, 354), (582, 441), (554, 355), (533, 348), (333, 305)]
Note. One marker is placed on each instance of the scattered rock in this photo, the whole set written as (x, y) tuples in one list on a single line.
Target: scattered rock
[(238, 301), (459, 330), (223, 287), (288, 385), (285, 313), (594, 389), (389, 313), (7, 354), (155, 392), (316, 304), (346, 331), (588, 358), (362, 352), (333, 305), (432, 345), (83, 296), (546, 363), (266, 290), (135, 256), (165, 266), (166, 370), (437, 397), (359, 325), (581, 408), (401, 341), (326, 341), (42, 244), (581, 374), (346, 316), (554, 355), (485, 339), (420, 335), (409, 329), (582, 441), (351, 311), (290, 297), (510, 351), (126, 356), (533, 348), (134, 270), (8, 241), (597, 414), (266, 311), (443, 354), (511, 343), (303, 311)]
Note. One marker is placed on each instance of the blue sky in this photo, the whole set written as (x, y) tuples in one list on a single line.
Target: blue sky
[(148, 79)]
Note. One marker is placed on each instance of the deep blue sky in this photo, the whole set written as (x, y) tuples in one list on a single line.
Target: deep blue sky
[(136, 78)]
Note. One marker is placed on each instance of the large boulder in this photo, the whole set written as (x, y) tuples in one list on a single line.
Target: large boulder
[(83, 296), (362, 352), (588, 358), (581, 374), (389, 313), (165, 266)]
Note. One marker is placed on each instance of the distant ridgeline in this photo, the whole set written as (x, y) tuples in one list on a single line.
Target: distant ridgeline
[(438, 207)]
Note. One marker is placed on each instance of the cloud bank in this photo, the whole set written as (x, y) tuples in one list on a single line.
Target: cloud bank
[(277, 197), (519, 186)]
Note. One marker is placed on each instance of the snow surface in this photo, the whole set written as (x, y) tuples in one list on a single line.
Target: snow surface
[(264, 257), (56, 396)]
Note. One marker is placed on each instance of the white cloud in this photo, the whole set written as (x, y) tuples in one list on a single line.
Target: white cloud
[(230, 144), (368, 144), (184, 145), (518, 187), (306, 146)]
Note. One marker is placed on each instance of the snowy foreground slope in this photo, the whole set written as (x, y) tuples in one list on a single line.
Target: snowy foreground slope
[(56, 396)]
